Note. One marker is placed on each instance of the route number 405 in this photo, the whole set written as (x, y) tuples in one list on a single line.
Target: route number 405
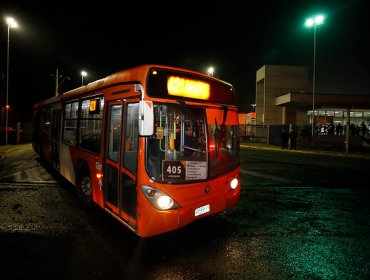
[(174, 169)]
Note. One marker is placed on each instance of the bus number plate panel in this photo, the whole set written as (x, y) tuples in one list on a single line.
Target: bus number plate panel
[(173, 169), (202, 210), (184, 170)]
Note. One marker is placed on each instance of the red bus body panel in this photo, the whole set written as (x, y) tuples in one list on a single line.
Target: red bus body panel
[(216, 193)]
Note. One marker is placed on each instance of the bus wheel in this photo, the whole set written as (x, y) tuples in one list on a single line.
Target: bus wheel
[(84, 188)]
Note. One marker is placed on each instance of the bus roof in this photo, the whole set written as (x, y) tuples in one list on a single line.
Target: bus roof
[(136, 74)]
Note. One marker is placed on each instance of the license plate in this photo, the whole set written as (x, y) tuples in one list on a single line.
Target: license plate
[(202, 210)]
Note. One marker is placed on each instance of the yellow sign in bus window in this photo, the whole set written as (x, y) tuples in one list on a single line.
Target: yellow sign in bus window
[(93, 105), (188, 88)]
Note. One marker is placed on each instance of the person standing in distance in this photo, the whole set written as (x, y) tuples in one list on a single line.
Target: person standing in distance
[(293, 139), (284, 139)]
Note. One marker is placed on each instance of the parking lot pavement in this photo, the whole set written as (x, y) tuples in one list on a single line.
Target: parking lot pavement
[(6, 149)]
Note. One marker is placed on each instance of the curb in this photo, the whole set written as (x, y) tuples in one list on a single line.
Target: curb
[(303, 151)]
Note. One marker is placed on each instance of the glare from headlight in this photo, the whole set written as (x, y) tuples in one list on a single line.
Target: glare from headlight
[(159, 199), (164, 202), (234, 183)]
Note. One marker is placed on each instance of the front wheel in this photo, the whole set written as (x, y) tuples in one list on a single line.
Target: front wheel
[(84, 188)]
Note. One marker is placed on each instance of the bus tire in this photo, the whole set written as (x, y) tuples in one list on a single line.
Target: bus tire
[(84, 187)]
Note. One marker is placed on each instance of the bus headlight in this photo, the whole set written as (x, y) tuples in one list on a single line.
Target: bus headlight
[(159, 199), (234, 183)]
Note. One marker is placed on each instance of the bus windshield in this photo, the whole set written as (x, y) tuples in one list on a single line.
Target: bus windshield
[(191, 143)]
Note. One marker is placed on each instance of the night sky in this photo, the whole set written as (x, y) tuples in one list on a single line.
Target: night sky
[(235, 37)]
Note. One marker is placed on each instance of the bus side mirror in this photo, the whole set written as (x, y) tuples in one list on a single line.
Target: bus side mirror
[(146, 118)]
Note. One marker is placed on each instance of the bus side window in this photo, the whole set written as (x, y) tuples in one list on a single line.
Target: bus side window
[(70, 123), (90, 123)]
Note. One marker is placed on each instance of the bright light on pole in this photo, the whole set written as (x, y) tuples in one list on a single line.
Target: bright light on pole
[(11, 24), (210, 71), (314, 22), (83, 74)]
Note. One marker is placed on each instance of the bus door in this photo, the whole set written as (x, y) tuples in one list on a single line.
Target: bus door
[(121, 160)]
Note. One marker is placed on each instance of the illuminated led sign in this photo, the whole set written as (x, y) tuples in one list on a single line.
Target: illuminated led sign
[(188, 88), (92, 105)]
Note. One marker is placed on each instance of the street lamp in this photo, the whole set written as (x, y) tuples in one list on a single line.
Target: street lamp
[(11, 24), (210, 71), (83, 74), (314, 22)]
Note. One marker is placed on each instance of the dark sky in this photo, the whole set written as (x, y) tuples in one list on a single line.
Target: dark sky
[(235, 37)]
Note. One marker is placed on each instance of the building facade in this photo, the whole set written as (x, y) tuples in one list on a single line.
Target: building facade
[(281, 99)]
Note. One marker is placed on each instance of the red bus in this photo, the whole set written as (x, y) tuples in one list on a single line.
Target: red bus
[(121, 141)]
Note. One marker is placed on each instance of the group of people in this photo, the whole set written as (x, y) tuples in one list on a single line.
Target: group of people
[(285, 136)]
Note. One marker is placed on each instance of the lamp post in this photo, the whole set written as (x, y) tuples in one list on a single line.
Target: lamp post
[(11, 24), (83, 74), (210, 71), (314, 22)]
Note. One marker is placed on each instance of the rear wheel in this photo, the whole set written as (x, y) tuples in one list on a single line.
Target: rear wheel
[(84, 187)]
